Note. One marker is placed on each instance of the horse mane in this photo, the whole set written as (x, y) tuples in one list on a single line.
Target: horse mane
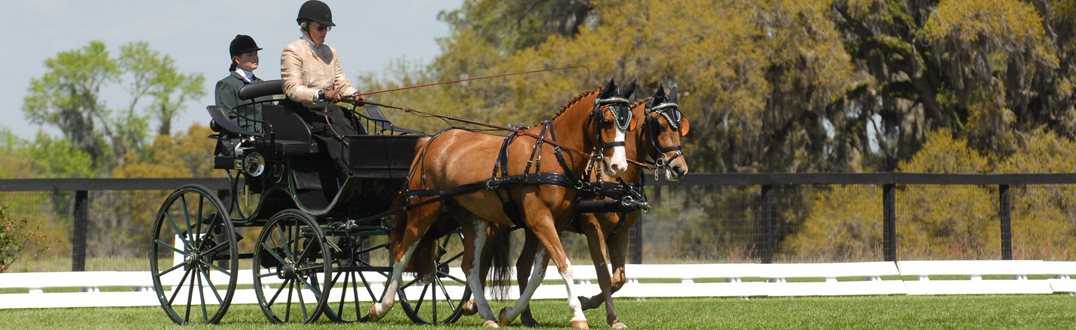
[(637, 103), (576, 100)]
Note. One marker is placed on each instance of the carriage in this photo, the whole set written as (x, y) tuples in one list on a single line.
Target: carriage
[(322, 232), (317, 231)]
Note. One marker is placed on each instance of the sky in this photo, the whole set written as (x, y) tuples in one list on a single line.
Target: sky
[(368, 36)]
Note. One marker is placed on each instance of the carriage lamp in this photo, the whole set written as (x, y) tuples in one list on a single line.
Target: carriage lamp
[(254, 164)]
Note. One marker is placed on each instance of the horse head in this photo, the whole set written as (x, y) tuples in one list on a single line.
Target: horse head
[(611, 119), (664, 125)]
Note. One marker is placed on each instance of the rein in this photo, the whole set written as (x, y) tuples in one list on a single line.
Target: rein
[(475, 78), (468, 121)]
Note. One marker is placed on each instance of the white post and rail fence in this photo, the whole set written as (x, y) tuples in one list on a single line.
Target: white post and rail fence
[(759, 278)]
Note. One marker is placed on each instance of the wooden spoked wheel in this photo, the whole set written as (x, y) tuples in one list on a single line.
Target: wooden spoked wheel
[(193, 228), (443, 299), (351, 279), (292, 268)]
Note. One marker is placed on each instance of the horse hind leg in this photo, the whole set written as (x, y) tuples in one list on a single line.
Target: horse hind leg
[(540, 261), (548, 236), (473, 253), (419, 220), (523, 270)]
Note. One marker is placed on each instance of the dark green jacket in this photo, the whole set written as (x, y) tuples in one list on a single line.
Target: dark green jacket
[(227, 96)]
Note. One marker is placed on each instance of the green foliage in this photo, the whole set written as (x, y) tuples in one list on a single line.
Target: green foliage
[(55, 158), (949, 222), (14, 235), (68, 96), (156, 75), (14, 164)]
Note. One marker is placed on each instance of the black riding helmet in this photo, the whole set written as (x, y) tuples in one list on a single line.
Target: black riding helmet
[(242, 44), (316, 11)]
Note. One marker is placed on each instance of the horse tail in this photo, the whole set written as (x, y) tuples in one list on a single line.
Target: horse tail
[(399, 222), (500, 275), (424, 258)]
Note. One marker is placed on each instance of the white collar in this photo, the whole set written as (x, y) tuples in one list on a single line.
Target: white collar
[(247, 75)]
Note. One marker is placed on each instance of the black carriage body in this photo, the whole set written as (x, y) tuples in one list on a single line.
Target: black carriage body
[(379, 166), (298, 175)]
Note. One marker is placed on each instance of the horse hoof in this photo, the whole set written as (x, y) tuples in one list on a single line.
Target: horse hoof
[(491, 324), (582, 324), (375, 312), (469, 308), (530, 322), (619, 325), (504, 317)]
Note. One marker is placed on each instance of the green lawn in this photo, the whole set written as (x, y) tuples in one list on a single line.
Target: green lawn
[(875, 312)]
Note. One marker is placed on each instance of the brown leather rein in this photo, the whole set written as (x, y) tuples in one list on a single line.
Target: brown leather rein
[(515, 130)]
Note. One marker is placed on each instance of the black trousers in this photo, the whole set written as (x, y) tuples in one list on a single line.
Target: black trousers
[(329, 126)]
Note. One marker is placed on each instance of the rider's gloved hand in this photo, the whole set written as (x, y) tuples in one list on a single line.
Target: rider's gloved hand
[(333, 96)]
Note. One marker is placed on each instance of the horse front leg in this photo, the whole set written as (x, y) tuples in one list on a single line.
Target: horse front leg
[(597, 246), (618, 250)]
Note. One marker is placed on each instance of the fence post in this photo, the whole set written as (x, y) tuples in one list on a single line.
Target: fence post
[(78, 235), (1004, 212), (889, 222), (768, 225)]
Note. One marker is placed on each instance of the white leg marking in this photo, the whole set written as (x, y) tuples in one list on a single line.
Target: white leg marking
[(537, 275), (573, 301), (474, 275)]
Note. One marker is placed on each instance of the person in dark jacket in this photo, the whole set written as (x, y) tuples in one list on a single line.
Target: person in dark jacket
[(244, 52)]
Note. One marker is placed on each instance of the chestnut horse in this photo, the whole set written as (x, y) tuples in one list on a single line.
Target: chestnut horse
[(659, 138), (456, 157)]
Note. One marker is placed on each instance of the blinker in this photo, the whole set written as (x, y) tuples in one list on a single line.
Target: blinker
[(621, 112), (671, 112)]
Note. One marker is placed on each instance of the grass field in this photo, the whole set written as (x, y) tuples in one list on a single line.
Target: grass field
[(876, 312)]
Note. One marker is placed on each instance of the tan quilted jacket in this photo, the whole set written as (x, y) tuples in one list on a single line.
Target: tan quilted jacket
[(305, 72)]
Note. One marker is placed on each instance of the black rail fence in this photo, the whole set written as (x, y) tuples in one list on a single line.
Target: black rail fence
[(762, 210)]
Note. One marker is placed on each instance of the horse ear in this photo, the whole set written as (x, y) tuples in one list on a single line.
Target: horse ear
[(673, 94), (659, 95), (609, 90), (634, 123), (628, 91), (684, 127)]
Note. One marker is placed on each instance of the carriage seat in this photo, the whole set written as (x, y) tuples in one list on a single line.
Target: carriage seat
[(291, 136)]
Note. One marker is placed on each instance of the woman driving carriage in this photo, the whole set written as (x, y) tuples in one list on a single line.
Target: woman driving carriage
[(314, 82)]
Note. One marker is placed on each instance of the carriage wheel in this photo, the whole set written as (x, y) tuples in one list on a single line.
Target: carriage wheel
[(193, 226), (292, 266), (440, 301), (352, 282)]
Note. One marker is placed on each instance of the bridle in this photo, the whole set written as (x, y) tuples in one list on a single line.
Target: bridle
[(622, 120), (653, 128)]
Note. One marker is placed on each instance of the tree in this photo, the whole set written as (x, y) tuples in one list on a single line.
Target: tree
[(68, 96)]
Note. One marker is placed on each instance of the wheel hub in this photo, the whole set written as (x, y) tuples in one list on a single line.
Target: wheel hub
[(286, 271)]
